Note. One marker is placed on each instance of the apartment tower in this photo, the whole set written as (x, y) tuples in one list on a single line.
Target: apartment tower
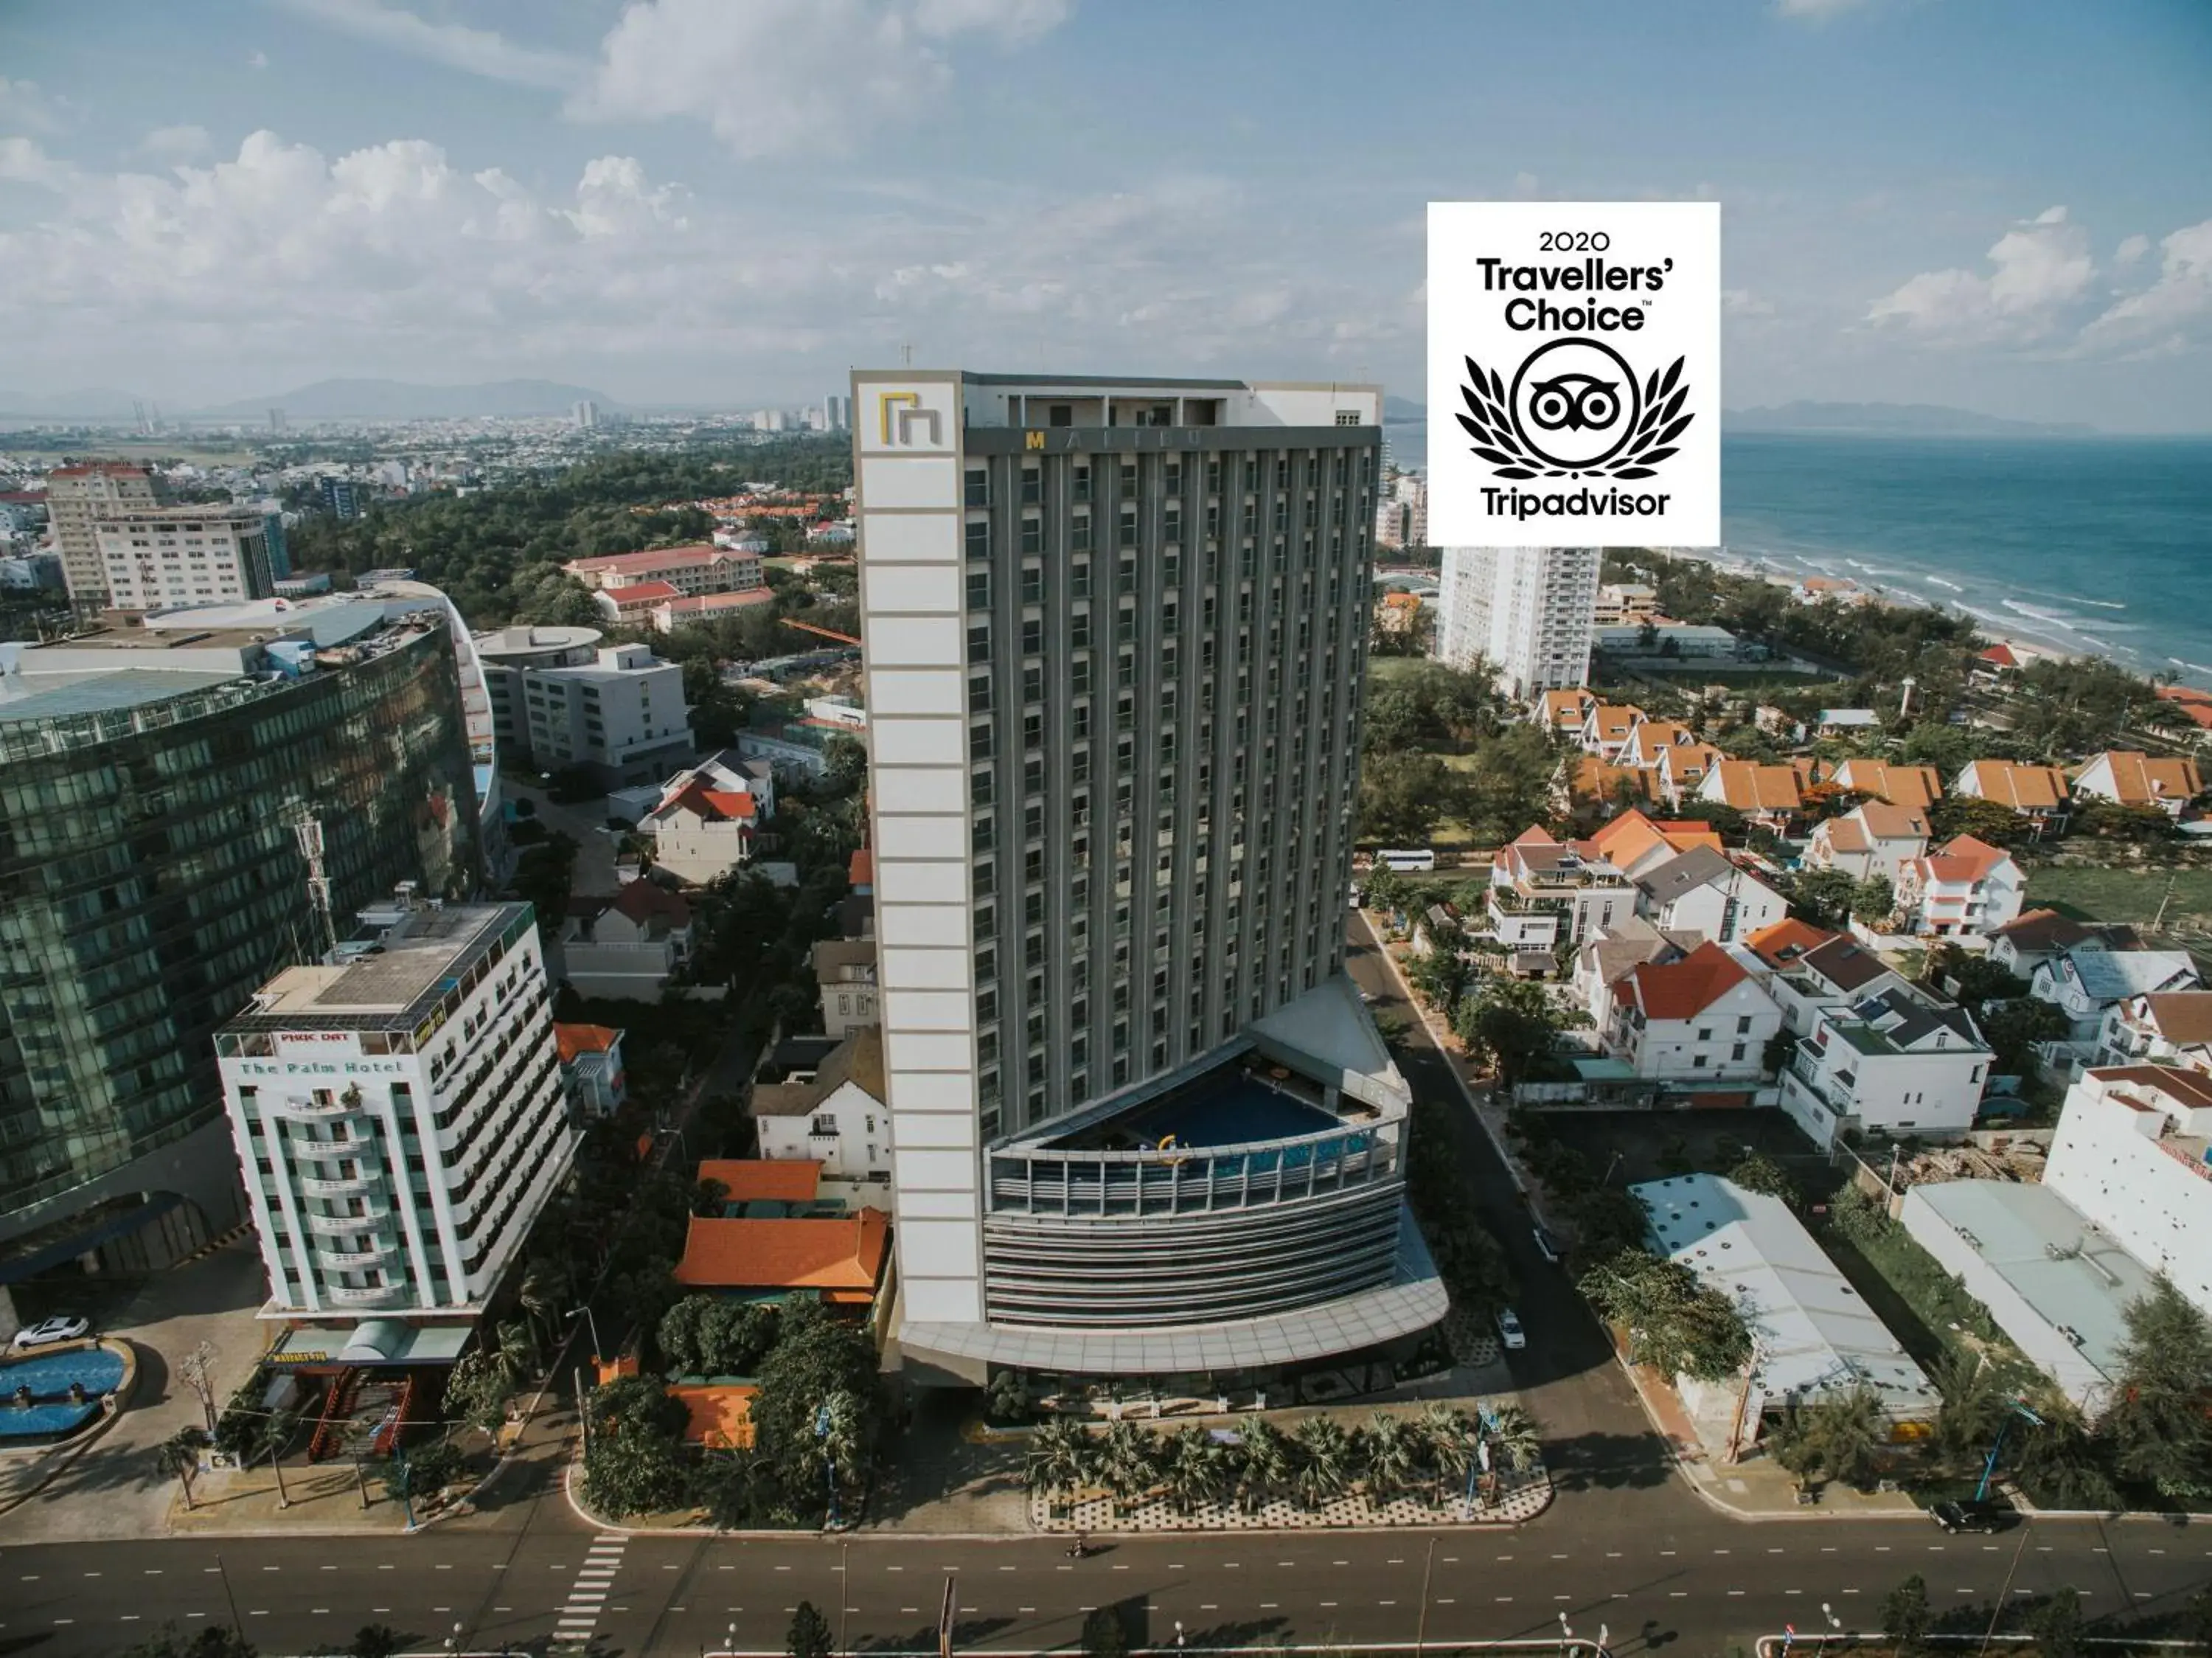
[(1116, 631), (73, 495), (1527, 611)]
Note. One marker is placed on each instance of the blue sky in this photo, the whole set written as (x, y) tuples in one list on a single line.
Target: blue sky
[(2004, 204)]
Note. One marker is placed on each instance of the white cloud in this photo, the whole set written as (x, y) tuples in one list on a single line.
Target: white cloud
[(1742, 303), (279, 261), (2042, 269), (24, 109), (2131, 250), (257, 60), (168, 145), (476, 51), (771, 75), (2175, 312)]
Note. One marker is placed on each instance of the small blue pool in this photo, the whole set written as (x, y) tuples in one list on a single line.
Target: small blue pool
[(1215, 1111), (53, 1412)]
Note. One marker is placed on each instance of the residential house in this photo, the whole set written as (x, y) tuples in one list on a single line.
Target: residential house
[(1766, 795), (1544, 894), (626, 946), (1397, 613), (1563, 712), (592, 1067), (2038, 793), (1998, 665), (835, 1118), (1916, 786), (687, 571), (1896, 1061), (1586, 780), (1633, 843), (2171, 1027), (1705, 1019), (2086, 981), (700, 831), (1607, 727), (690, 611), (1810, 970), (1700, 891), (2193, 704), (1649, 739), (845, 975), (2134, 779), (1626, 604), (1683, 769), (1873, 838), (1610, 954), (1964, 887), (2035, 937), (1778, 723), (838, 1260)]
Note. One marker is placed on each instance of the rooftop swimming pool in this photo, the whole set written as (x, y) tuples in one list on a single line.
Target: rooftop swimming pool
[(51, 1412), (1224, 1109)]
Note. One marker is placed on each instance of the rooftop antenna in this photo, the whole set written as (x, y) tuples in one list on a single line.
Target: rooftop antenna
[(906, 357)]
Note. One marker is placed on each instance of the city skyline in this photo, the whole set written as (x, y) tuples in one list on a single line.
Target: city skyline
[(2007, 210)]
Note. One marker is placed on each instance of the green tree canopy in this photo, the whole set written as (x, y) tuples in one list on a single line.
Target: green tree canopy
[(1674, 1323)]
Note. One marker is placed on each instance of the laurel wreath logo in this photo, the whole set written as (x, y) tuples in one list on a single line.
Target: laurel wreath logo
[(1490, 421)]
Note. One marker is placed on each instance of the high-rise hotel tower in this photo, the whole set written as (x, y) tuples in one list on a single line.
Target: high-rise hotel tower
[(1116, 631)]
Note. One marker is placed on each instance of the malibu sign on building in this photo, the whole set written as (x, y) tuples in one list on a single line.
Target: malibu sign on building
[(1574, 374)]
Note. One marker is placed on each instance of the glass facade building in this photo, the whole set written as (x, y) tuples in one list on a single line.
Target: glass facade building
[(172, 834)]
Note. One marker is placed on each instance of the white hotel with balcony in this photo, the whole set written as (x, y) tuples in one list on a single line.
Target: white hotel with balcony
[(398, 1113)]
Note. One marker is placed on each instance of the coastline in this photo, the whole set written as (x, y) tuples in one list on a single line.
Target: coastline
[(1739, 562)]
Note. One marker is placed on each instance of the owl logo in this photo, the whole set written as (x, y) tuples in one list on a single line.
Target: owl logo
[(1574, 406)]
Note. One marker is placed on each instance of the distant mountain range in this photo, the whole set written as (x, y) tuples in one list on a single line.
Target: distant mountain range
[(1891, 420), (399, 400), (1856, 419)]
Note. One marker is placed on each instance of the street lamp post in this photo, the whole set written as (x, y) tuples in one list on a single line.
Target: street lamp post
[(1421, 1629), (1566, 1636), (586, 1313)]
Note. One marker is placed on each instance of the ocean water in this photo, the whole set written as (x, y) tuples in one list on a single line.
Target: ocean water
[(2096, 546), (2099, 545)]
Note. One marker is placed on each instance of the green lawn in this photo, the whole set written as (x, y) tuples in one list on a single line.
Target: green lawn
[(2092, 894), (1383, 670)]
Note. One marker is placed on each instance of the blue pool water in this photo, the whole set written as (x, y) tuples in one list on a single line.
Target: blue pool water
[(1221, 1111), (48, 1376)]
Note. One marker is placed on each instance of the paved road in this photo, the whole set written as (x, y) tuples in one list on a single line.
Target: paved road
[(1694, 1588), (1627, 1546), (1597, 1435)]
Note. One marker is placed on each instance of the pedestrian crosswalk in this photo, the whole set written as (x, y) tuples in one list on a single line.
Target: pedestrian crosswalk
[(587, 1596)]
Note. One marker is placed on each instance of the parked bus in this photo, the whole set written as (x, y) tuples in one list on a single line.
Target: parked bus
[(1405, 860)]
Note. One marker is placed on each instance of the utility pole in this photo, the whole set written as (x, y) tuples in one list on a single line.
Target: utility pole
[(844, 1591), (236, 1621), (2004, 1594), (1421, 1629)]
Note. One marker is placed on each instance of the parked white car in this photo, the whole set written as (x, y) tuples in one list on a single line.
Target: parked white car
[(47, 1331), (1510, 1331)]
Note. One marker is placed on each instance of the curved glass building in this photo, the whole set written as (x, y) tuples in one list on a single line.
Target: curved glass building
[(183, 807)]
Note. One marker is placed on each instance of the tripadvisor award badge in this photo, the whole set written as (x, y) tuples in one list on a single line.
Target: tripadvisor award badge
[(1574, 374)]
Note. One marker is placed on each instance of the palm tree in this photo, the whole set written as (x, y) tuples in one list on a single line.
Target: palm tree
[(1060, 1454), (1194, 1469), (547, 1285), (1128, 1461), (1850, 1433), (1448, 1438), (1393, 1448), (1324, 1466), (2063, 1464), (1514, 1437), (1262, 1464), (1974, 1407), (180, 1456)]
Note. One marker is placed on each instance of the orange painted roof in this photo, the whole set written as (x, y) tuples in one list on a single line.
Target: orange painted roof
[(1566, 707), (572, 1039), (706, 603), (717, 1414), (789, 1179), (1963, 859), (1595, 779), (1888, 821), (643, 592), (1900, 785), (1750, 787), (1684, 989), (1615, 721), (1783, 942), (860, 871), (843, 1255), (684, 558), (2023, 788), (2142, 780)]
